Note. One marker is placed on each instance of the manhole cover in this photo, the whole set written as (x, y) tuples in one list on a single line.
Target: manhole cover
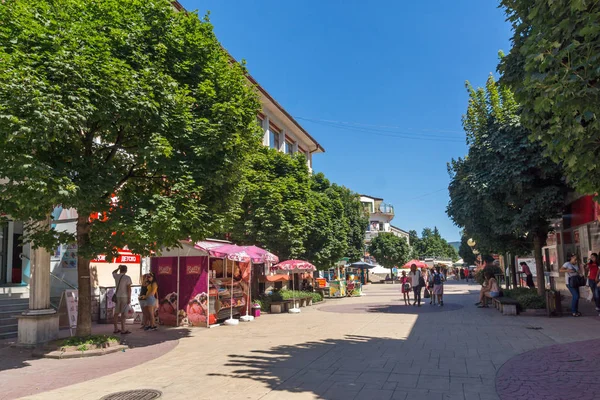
[(143, 394)]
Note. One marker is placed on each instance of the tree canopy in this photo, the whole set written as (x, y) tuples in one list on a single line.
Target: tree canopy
[(553, 69), (431, 244), (465, 251), (123, 108), (504, 193), (296, 215), (389, 250)]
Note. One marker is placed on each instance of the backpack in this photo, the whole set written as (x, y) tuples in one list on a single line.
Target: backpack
[(437, 279)]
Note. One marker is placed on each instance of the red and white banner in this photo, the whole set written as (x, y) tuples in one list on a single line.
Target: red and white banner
[(125, 257)]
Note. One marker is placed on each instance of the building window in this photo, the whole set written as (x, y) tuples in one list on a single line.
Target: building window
[(289, 147), (260, 122), (273, 139)]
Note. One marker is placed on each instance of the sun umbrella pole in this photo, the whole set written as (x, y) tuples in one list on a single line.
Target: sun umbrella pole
[(178, 273), (231, 309)]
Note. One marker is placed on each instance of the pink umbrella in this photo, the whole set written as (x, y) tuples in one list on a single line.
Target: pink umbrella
[(295, 266), (419, 264), (260, 255)]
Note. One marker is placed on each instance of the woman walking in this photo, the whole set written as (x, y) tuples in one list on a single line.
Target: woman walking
[(141, 298), (150, 298), (405, 281), (417, 283), (571, 269)]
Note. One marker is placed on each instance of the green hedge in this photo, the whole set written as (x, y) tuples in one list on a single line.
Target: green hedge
[(266, 299), (527, 298)]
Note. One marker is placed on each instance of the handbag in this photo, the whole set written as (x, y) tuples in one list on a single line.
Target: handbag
[(114, 296), (576, 281), (426, 295), (421, 280)]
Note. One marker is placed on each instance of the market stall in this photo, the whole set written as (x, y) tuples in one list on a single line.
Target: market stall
[(294, 267)]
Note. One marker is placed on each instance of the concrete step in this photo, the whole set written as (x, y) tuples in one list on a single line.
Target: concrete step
[(9, 335), (9, 329), (8, 321), (10, 313), (15, 307), (13, 292), (13, 302)]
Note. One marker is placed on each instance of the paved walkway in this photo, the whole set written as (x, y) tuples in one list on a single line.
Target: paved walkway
[(371, 347)]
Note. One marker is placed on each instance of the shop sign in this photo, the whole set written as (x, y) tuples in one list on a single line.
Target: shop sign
[(165, 270), (121, 259), (71, 297), (193, 269)]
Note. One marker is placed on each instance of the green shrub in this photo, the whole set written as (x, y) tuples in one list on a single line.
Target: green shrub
[(527, 298), (480, 275), (84, 343), (520, 291), (317, 297), (531, 300)]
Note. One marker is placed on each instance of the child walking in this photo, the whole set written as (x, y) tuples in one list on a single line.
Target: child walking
[(405, 281)]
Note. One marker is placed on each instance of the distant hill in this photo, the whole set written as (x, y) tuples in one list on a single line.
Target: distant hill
[(456, 245)]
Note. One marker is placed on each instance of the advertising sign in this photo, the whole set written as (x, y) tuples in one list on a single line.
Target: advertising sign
[(71, 299)]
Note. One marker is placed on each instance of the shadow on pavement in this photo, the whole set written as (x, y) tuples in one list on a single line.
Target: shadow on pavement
[(12, 357), (331, 368)]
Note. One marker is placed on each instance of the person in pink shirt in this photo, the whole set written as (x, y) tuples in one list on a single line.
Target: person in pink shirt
[(405, 281), (593, 279), (528, 275)]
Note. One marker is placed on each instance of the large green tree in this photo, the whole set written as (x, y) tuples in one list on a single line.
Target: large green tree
[(298, 215), (431, 244), (275, 210), (125, 98), (389, 250), (504, 193), (328, 227), (553, 70)]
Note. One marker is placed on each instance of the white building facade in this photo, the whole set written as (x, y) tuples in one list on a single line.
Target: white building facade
[(381, 215)]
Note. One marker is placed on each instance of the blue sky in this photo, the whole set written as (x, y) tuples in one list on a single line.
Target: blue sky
[(389, 73)]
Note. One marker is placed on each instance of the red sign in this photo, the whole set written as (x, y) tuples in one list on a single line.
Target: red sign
[(165, 270), (124, 257), (193, 269)]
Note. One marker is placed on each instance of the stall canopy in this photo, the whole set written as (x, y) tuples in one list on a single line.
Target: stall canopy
[(362, 264), (234, 252), (295, 266), (274, 278)]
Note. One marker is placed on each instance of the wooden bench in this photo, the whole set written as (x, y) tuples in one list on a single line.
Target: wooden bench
[(506, 305)]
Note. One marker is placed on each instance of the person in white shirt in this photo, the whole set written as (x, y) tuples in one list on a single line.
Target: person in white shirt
[(571, 269), (122, 297), (415, 275)]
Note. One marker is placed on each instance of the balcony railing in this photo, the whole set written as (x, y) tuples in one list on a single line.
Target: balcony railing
[(386, 208)]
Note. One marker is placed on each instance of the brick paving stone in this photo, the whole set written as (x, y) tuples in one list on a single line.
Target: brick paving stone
[(359, 351), (553, 372)]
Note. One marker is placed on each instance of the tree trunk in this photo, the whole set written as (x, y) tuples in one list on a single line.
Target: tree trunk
[(538, 241), (84, 314)]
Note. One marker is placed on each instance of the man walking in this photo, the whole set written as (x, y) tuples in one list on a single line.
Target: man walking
[(122, 297), (528, 275)]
